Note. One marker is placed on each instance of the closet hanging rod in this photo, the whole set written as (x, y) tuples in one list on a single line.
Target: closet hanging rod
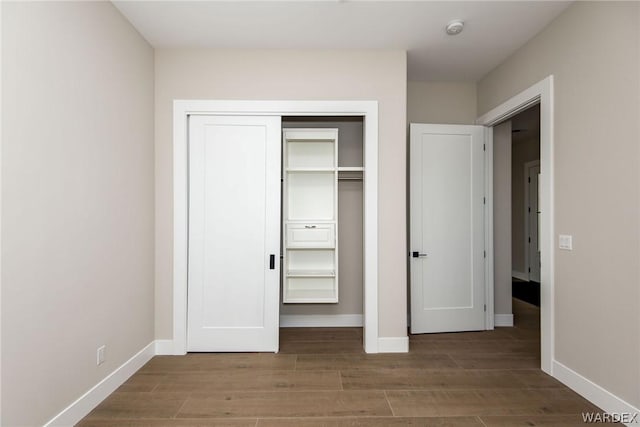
[(345, 178)]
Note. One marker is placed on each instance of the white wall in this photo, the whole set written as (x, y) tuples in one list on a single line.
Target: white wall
[(593, 51), (77, 193), (298, 75)]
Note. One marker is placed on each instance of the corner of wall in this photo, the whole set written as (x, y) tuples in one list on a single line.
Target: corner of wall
[(393, 344)]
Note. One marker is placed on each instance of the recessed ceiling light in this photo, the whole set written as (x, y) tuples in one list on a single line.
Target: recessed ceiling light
[(455, 27)]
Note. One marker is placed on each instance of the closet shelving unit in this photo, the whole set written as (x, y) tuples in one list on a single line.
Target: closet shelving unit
[(310, 215)]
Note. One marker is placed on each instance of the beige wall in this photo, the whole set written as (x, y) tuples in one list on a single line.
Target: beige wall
[(298, 75), (441, 102), (350, 222), (525, 149), (593, 51), (502, 218), (77, 213)]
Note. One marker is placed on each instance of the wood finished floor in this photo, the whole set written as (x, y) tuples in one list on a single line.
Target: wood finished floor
[(321, 377)]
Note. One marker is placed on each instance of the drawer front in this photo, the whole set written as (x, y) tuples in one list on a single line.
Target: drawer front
[(311, 236)]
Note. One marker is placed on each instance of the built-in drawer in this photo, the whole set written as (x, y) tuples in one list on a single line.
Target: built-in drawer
[(311, 236)]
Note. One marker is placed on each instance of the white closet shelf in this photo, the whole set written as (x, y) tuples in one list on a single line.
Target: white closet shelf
[(310, 199), (310, 296), (309, 221), (311, 273), (350, 168), (312, 135), (311, 170), (310, 139), (312, 247)]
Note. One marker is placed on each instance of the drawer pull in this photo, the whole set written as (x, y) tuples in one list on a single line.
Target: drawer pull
[(309, 226)]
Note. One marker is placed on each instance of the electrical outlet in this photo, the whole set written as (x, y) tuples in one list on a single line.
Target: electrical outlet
[(100, 356)]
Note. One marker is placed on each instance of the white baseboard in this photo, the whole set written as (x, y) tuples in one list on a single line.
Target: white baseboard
[(520, 275), (591, 391), (393, 345), (503, 319), (164, 347), (85, 403), (320, 320)]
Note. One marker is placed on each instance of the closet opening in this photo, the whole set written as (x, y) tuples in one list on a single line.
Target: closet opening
[(258, 124), (322, 265)]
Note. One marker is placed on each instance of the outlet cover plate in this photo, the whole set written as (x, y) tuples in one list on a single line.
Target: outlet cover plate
[(100, 355), (565, 242)]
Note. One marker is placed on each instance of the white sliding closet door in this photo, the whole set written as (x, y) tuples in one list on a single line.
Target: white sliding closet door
[(234, 233)]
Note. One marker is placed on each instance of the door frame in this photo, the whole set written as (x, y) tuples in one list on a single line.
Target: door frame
[(527, 265), (541, 93), (182, 109)]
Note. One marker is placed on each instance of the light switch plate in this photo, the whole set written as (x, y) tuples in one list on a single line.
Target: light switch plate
[(565, 242)]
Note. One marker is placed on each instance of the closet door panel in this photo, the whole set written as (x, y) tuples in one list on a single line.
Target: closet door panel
[(234, 218)]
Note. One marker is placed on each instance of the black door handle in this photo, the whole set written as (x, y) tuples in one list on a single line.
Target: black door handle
[(272, 262)]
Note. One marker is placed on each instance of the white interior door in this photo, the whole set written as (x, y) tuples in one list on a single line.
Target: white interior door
[(234, 233), (533, 212), (447, 228)]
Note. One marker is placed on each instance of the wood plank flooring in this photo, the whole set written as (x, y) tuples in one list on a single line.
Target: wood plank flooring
[(321, 377)]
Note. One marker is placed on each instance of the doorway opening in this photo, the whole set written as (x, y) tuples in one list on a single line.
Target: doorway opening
[(317, 321), (540, 94), (525, 172), (516, 153), (516, 170)]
